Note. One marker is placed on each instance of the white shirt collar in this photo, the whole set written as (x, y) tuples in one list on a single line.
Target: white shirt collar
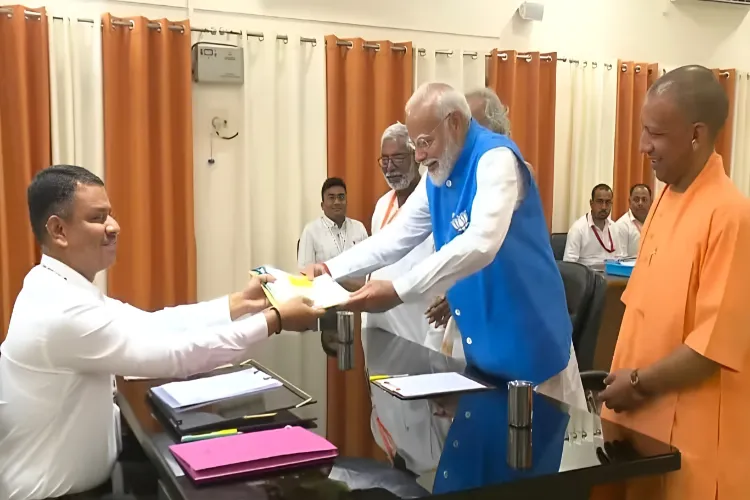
[(68, 273), (631, 216), (590, 221), (331, 224)]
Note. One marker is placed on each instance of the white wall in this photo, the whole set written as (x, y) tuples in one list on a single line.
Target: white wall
[(667, 31)]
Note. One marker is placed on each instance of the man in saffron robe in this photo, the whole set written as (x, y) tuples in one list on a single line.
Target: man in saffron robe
[(681, 370)]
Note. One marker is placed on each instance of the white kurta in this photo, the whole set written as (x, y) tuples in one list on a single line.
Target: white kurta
[(407, 320), (497, 196)]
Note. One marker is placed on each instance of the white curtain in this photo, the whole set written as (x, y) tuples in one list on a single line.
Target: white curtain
[(463, 70), (252, 202), (740, 172), (77, 121), (585, 119)]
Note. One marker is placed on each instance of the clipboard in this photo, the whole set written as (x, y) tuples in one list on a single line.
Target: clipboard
[(251, 410), (391, 386)]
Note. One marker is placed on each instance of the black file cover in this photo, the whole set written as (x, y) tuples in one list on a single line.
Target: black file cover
[(263, 410)]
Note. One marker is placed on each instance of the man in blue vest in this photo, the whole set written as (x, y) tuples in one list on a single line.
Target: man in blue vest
[(493, 254)]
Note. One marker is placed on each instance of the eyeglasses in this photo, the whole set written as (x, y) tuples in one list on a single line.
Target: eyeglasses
[(395, 160), (423, 142)]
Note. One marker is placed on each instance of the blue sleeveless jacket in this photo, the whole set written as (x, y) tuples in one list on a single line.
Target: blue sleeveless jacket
[(512, 314)]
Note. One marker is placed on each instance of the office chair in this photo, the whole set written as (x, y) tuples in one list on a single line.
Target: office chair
[(585, 291), (558, 241)]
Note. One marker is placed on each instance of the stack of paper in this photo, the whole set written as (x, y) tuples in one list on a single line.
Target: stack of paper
[(218, 387), (323, 291)]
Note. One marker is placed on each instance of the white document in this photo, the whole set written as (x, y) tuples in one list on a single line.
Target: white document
[(218, 387), (323, 291), (431, 383)]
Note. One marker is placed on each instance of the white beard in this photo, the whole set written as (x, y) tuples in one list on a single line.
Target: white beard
[(444, 164), (405, 181)]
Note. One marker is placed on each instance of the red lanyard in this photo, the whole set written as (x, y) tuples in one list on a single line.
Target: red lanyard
[(611, 243), (386, 220)]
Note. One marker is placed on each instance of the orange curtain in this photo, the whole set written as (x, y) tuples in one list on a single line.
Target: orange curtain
[(728, 80), (526, 83), (24, 142), (631, 167), (367, 86), (148, 151)]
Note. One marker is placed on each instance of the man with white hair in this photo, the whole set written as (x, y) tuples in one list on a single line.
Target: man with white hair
[(401, 172), (394, 426), (488, 110), (493, 254)]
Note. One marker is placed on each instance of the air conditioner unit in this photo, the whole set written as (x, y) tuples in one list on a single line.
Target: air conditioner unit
[(746, 3)]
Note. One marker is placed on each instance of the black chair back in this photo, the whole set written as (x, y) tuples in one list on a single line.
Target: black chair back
[(585, 292), (558, 241)]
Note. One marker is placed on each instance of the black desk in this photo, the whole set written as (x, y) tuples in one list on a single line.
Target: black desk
[(571, 450)]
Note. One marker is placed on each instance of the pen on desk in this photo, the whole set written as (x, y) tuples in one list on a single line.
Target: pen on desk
[(209, 435), (263, 415), (373, 378)]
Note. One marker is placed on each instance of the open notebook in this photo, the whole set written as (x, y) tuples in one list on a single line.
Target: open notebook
[(323, 290)]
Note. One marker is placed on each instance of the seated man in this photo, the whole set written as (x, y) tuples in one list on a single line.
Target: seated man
[(66, 340), (629, 225), (328, 236), (592, 239)]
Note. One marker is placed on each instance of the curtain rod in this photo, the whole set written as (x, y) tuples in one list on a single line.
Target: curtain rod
[(366, 45), (173, 27), (474, 54)]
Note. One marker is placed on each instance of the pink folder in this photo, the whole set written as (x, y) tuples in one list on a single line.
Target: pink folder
[(252, 453)]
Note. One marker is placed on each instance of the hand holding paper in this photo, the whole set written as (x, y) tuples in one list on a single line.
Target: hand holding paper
[(375, 297), (323, 291)]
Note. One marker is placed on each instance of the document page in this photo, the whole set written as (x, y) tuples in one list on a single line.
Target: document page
[(428, 384), (218, 387), (324, 291)]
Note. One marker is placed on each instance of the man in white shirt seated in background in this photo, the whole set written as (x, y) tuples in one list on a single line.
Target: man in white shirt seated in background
[(401, 172), (328, 236), (66, 339), (629, 225), (592, 239)]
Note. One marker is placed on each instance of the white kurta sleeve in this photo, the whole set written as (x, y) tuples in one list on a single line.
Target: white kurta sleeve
[(390, 244), (180, 318), (491, 212), (99, 339)]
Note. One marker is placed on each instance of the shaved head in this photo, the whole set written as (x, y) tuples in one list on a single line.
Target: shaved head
[(683, 112), (697, 94)]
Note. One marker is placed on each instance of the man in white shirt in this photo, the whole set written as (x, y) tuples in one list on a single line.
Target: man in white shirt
[(592, 239), (401, 172), (66, 339), (330, 235), (493, 255), (629, 225)]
